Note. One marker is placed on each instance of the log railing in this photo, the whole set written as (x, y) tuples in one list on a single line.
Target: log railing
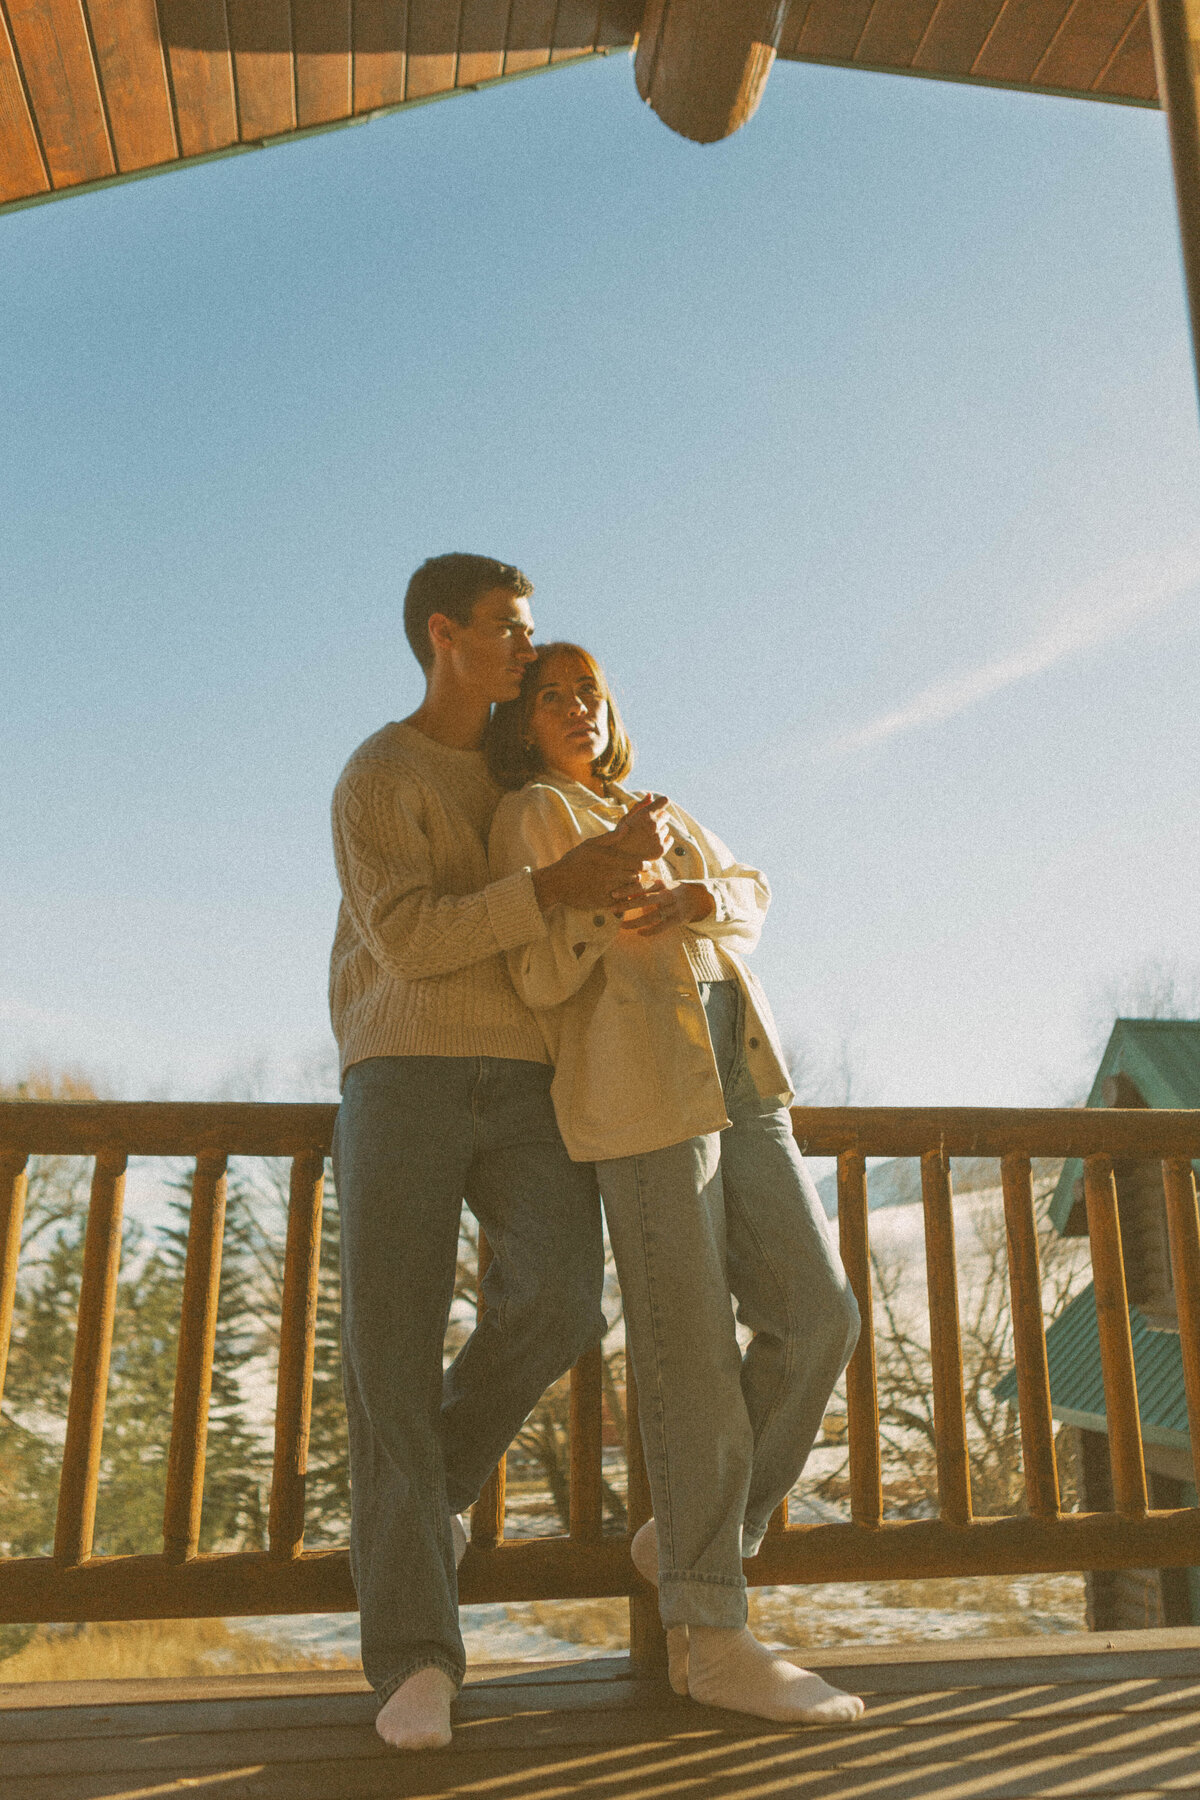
[(72, 1584)]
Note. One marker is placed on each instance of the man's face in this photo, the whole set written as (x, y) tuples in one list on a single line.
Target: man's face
[(490, 655)]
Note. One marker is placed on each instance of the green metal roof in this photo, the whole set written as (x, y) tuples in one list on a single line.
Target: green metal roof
[(1077, 1385), (1162, 1059)]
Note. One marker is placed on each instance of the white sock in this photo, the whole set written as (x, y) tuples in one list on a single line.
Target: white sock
[(731, 1668), (459, 1535), (417, 1715), (644, 1552)]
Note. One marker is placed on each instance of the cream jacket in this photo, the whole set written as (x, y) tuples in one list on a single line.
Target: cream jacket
[(634, 1068)]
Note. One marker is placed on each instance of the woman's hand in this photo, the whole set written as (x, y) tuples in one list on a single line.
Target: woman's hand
[(644, 830), (657, 907)]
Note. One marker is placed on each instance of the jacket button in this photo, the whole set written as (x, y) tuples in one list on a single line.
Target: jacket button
[(598, 920), (753, 1043), (681, 849)]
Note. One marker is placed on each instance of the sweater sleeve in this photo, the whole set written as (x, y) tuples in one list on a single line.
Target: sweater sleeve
[(533, 829), (386, 872), (741, 895)]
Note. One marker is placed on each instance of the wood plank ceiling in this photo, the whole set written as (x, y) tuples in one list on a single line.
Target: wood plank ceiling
[(92, 90)]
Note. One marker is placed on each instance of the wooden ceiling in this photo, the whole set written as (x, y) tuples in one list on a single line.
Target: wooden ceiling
[(98, 90)]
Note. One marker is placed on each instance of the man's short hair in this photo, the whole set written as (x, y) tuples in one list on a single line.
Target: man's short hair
[(452, 584)]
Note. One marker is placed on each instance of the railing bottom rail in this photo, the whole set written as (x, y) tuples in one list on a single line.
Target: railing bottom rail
[(36, 1590)]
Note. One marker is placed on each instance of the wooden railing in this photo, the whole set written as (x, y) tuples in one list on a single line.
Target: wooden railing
[(72, 1584)]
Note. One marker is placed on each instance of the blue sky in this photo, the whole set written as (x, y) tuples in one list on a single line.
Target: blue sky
[(862, 448)]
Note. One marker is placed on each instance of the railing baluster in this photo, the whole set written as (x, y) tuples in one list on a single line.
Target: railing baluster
[(1116, 1342), (587, 1449), (945, 1342), (76, 1521), (647, 1639), (862, 1393), (1183, 1226), (487, 1514), (297, 1344), (13, 1181), (194, 1362), (1029, 1338), (777, 1524)]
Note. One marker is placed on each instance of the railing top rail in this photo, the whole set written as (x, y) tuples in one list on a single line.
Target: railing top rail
[(274, 1128), (997, 1131), (164, 1127)]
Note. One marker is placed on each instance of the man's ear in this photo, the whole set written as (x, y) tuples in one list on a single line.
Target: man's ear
[(441, 631)]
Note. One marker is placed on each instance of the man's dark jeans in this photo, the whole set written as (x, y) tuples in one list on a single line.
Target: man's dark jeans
[(416, 1135)]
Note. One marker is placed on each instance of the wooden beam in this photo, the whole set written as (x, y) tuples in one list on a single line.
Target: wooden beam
[(1116, 1342), (862, 1395), (194, 1360), (89, 1370), (297, 1347), (258, 1128), (22, 167), (1175, 31), (36, 1589), (487, 1514), (51, 39), (703, 64), (945, 1342), (1029, 1339), (13, 1183)]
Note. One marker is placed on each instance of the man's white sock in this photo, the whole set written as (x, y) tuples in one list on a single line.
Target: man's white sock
[(732, 1669), (458, 1532), (417, 1715), (644, 1552)]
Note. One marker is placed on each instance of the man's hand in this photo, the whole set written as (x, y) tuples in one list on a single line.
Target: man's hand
[(590, 874), (657, 907)]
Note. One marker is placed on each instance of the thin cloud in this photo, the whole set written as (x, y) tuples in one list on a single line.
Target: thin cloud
[(1103, 609)]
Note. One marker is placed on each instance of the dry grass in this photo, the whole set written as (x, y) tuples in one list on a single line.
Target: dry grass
[(828, 1615), (603, 1624), (145, 1647)]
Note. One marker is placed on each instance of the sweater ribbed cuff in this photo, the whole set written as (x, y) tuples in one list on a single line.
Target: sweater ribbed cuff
[(516, 918)]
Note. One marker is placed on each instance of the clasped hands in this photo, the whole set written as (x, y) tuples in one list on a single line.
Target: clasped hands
[(604, 871)]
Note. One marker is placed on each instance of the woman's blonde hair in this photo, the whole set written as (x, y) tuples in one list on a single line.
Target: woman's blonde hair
[(511, 756)]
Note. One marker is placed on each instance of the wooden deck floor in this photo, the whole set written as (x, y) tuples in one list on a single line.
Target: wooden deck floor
[(1013, 1720)]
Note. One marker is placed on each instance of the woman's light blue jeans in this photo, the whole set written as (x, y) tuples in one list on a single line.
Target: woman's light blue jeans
[(726, 1436), (415, 1135)]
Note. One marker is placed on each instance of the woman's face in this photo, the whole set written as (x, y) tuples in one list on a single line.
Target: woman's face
[(568, 718)]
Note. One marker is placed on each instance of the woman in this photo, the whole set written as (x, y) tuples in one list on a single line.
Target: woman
[(669, 1076)]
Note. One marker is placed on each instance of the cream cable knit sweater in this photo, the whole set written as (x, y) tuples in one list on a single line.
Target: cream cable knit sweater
[(417, 966)]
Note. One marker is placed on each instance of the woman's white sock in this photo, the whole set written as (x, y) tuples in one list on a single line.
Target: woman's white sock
[(644, 1551), (732, 1669)]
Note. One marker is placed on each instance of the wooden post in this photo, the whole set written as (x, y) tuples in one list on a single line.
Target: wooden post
[(297, 1346), (587, 1449), (12, 1216), (487, 1514), (194, 1361), (1029, 1338), (1116, 1342), (647, 1639), (703, 64), (1183, 1226), (77, 1491), (945, 1342), (862, 1393), (1175, 30)]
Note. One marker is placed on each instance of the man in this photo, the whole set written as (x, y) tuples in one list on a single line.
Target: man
[(446, 1096)]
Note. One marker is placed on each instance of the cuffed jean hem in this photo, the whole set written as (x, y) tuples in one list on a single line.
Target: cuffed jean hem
[(702, 1600), (426, 1660)]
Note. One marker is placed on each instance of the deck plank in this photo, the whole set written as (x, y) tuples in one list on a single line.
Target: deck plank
[(300, 1711), (1015, 1721)]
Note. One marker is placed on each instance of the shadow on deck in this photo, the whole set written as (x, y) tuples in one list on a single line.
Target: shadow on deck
[(1002, 1720)]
